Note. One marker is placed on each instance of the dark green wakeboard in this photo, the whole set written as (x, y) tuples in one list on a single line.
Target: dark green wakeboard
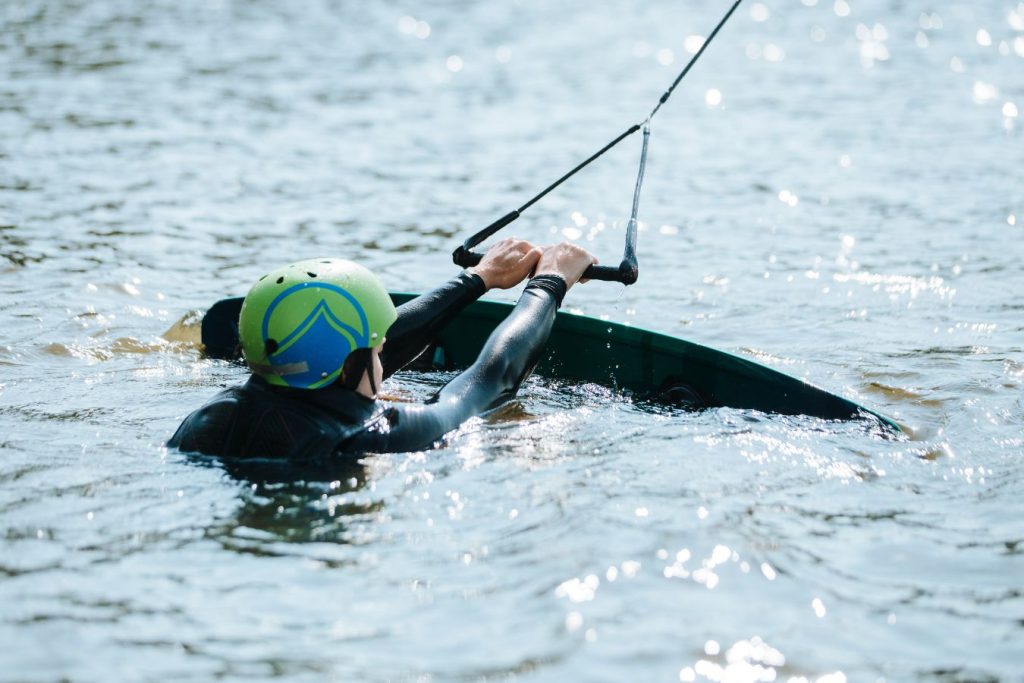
[(584, 349)]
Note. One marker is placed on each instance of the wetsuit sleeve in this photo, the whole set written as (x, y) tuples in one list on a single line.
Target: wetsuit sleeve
[(509, 355), (420, 320)]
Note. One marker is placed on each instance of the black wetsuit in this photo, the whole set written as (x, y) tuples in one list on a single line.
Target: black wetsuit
[(258, 420)]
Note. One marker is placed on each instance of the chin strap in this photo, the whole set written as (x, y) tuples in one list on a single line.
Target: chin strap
[(369, 376), (359, 363)]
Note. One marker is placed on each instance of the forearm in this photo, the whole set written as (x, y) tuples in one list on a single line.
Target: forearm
[(509, 355), (420, 320), (511, 351)]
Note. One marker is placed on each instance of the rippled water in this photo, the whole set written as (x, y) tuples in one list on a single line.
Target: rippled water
[(837, 190)]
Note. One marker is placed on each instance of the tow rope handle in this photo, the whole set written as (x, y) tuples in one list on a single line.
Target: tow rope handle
[(626, 272)]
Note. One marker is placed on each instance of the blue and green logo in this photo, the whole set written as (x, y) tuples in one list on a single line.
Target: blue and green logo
[(312, 327)]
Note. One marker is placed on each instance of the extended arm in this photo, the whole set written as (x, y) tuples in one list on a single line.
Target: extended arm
[(505, 265), (509, 355), (420, 320), (506, 359)]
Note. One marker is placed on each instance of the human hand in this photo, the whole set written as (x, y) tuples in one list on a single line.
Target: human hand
[(566, 260), (507, 263)]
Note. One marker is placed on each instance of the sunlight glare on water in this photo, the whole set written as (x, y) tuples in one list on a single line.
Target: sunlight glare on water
[(836, 190)]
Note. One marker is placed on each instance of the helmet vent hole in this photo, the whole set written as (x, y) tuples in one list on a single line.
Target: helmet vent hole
[(280, 279), (327, 262), (310, 274), (263, 278), (270, 346)]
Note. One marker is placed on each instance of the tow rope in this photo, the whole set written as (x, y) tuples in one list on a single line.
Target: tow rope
[(627, 271)]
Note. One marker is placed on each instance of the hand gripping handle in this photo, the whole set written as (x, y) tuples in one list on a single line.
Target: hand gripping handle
[(625, 272)]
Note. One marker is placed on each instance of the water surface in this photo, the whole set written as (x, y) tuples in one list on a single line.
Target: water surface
[(837, 191)]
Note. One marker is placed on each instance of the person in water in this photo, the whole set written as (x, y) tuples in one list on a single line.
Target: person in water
[(313, 333)]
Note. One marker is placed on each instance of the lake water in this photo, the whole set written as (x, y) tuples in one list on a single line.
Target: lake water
[(836, 190)]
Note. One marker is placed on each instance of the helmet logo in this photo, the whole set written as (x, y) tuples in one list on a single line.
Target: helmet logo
[(316, 326)]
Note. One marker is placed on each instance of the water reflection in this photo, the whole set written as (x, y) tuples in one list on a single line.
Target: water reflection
[(156, 152), (750, 660), (288, 512)]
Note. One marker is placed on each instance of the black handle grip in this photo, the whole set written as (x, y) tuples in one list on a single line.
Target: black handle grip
[(626, 272), (465, 258)]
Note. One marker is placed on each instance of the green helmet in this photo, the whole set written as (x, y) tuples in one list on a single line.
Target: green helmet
[(299, 323)]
